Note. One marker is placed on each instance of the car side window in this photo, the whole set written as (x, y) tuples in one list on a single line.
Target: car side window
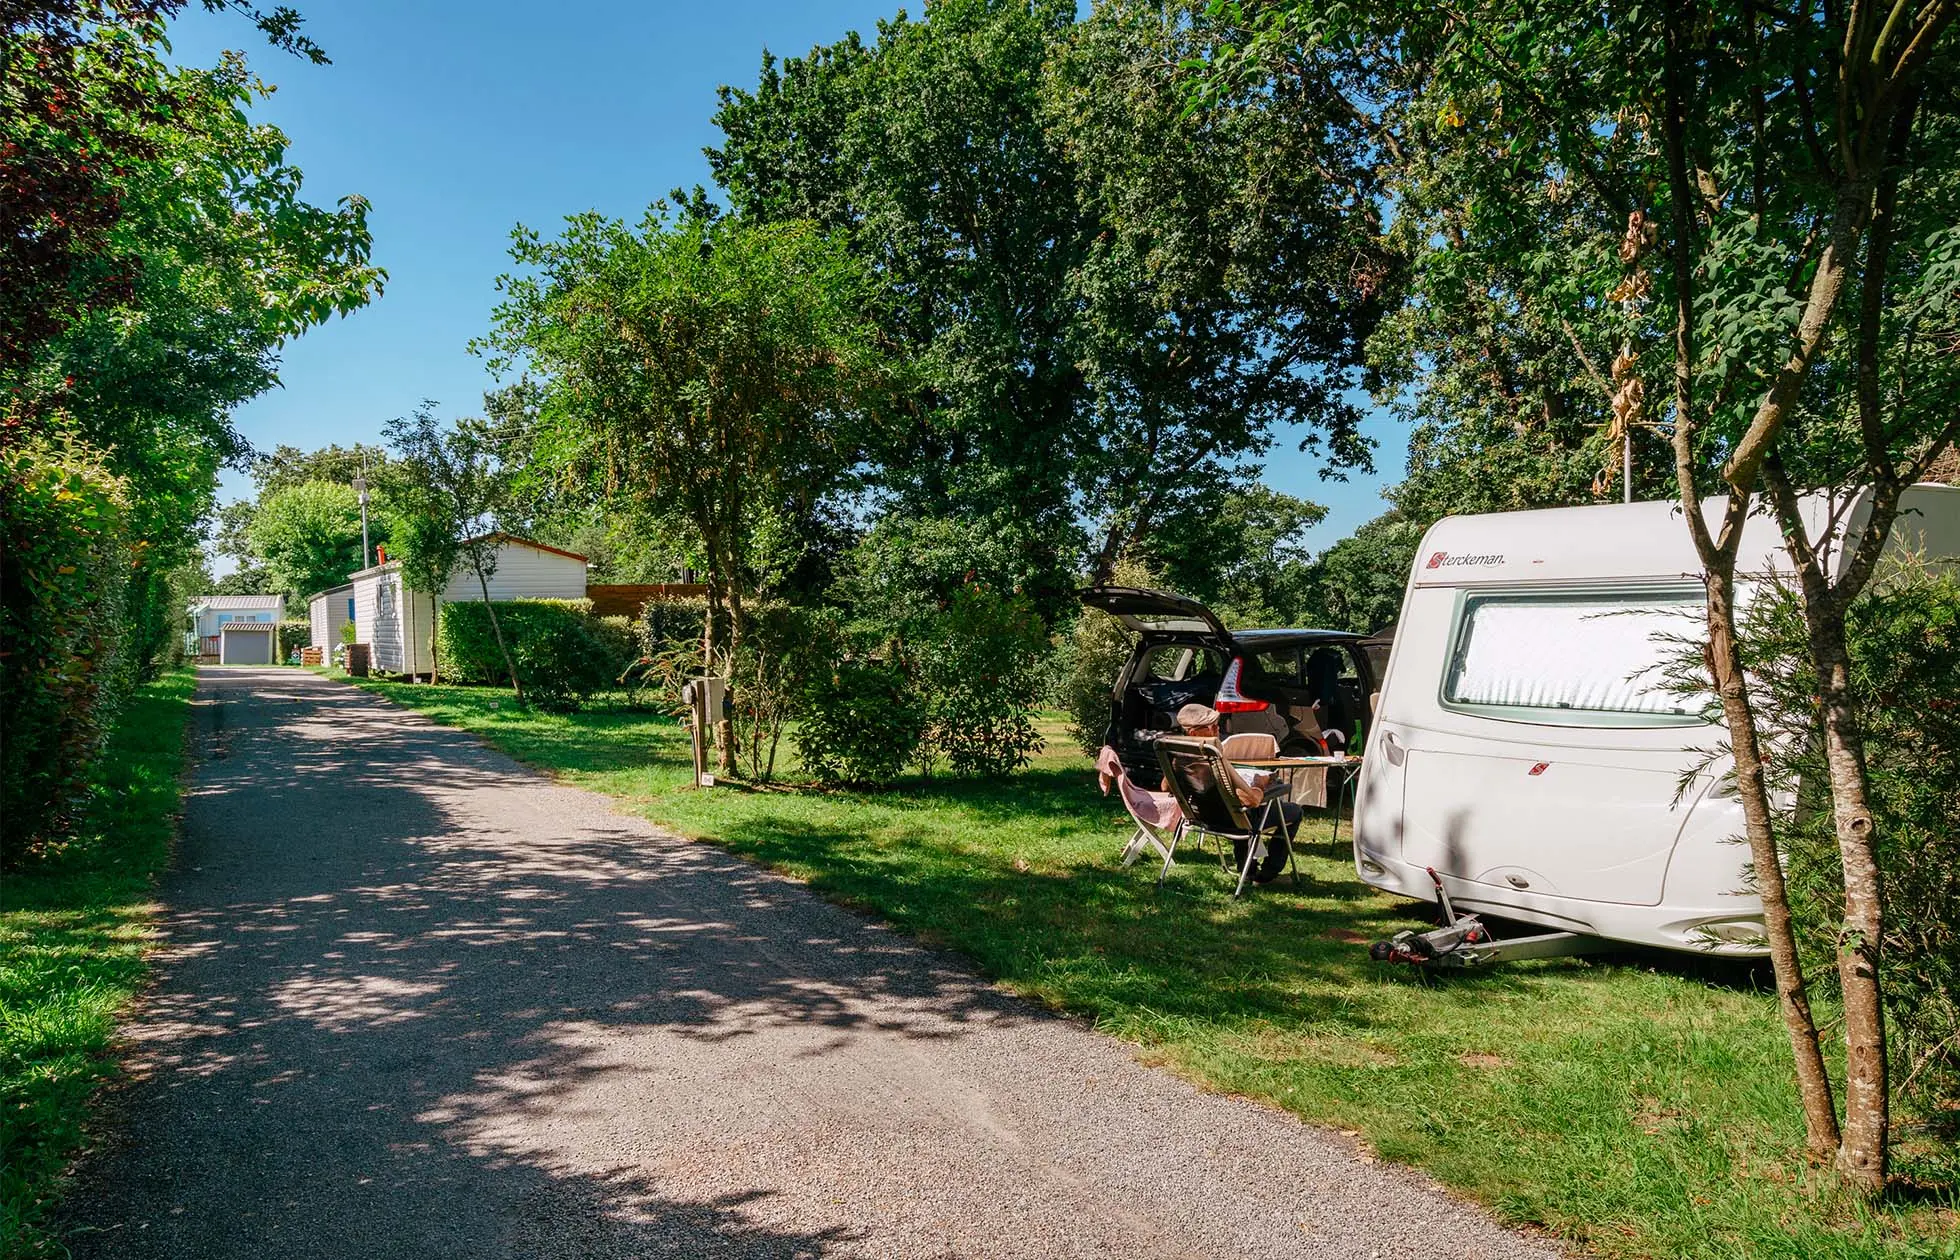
[(1279, 667)]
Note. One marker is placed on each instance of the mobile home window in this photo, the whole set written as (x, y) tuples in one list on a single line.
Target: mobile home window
[(1578, 658)]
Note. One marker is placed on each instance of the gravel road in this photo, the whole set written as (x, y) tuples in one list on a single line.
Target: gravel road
[(415, 1000)]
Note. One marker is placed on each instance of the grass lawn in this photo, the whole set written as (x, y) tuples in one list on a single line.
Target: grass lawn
[(1639, 1103), (72, 935)]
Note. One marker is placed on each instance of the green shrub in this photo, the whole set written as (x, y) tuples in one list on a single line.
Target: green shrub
[(563, 654), (294, 635), (562, 661), (1095, 652), (666, 625), (619, 639), (978, 666), (861, 723), (782, 648), (153, 621), (1092, 656), (63, 570), (1904, 636)]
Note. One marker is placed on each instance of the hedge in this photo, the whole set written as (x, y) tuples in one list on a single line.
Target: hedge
[(666, 624), (64, 570), (563, 653), (293, 635)]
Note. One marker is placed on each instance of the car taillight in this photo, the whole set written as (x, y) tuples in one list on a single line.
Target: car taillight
[(1230, 698)]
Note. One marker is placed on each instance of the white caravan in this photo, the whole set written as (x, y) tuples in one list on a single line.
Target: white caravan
[(1523, 747)]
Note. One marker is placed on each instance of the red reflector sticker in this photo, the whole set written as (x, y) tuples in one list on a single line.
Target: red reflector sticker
[(1540, 768)]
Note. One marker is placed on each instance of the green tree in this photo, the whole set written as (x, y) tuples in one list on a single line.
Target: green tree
[(906, 568), (1357, 584), (155, 254), (231, 262), (309, 537), (1232, 266), (926, 149), (712, 368), (450, 492), (1112, 303), (1241, 553), (87, 96), (1742, 221), (286, 466)]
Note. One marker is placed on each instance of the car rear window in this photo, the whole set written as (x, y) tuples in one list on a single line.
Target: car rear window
[(1176, 662)]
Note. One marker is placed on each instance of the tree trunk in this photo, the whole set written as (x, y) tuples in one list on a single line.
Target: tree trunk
[(1718, 564), (1793, 995), (414, 647), (1862, 1155), (727, 729), (435, 633), (717, 602), (483, 584)]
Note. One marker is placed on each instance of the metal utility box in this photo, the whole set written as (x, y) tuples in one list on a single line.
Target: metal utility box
[(707, 703)]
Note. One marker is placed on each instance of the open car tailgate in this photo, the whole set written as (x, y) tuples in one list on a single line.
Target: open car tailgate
[(1147, 611)]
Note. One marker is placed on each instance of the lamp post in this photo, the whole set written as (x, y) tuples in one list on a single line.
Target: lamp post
[(361, 489)]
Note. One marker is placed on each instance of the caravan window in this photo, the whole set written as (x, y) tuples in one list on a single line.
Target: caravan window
[(1577, 658)]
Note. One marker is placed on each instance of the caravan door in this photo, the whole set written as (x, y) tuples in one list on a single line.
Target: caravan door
[(1552, 762)]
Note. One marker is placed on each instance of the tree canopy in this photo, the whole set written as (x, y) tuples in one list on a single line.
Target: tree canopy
[(1112, 303), (709, 369), (308, 536)]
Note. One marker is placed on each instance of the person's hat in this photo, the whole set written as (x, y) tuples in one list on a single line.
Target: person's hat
[(1196, 715)]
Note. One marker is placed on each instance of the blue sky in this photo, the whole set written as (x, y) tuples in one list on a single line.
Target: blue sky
[(457, 121)]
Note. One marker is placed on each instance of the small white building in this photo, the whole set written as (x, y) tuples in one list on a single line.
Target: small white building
[(400, 630), (329, 611), (235, 629)]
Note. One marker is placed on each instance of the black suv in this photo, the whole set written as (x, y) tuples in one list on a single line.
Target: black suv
[(1258, 680)]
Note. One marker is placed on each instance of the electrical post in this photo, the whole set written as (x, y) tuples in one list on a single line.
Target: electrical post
[(361, 489)]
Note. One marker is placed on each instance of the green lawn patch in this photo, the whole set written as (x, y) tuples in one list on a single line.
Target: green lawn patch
[(1638, 1104), (72, 939)]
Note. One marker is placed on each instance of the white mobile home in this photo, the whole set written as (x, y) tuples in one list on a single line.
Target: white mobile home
[(328, 612), (234, 629), (1524, 747), (399, 625)]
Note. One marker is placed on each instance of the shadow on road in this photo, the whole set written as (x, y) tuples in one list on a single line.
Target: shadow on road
[(404, 1009)]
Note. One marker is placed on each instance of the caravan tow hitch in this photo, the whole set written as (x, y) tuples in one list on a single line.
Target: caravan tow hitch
[(1464, 941)]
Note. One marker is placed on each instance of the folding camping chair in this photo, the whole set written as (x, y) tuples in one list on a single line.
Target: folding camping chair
[(1157, 822), (1205, 787)]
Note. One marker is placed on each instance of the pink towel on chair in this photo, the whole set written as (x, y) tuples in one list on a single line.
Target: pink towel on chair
[(1152, 809), (1109, 768)]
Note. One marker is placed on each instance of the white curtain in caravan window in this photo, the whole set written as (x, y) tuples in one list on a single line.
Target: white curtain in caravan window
[(1599, 654)]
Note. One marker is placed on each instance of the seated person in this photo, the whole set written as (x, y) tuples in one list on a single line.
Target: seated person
[(1200, 721)]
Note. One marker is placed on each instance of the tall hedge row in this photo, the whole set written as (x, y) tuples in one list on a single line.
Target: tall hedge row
[(64, 572)]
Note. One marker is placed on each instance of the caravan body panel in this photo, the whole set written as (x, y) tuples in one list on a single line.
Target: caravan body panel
[(1527, 747)]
